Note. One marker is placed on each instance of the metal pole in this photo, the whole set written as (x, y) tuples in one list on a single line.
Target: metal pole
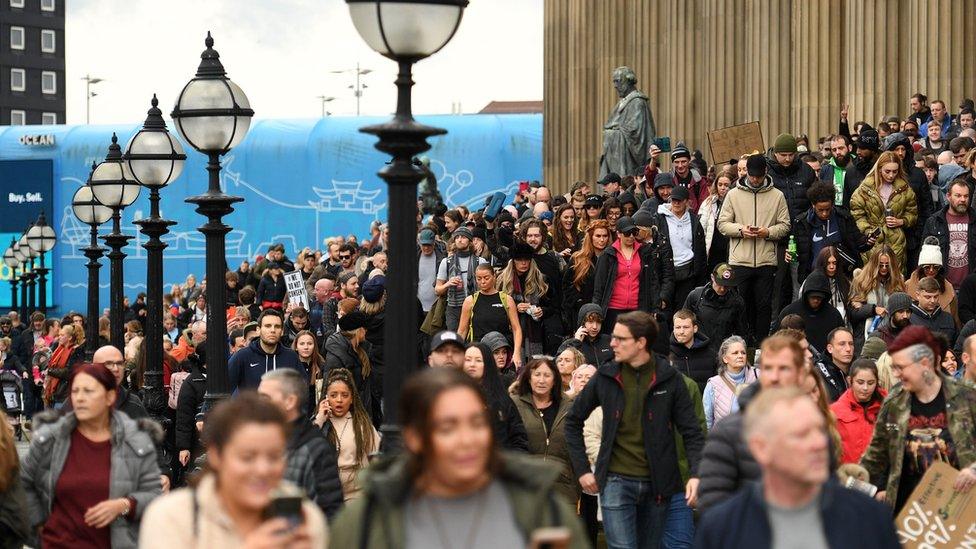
[(93, 252), (87, 99), (31, 287), (214, 205), (42, 287), (13, 288), (154, 227), (24, 313), (359, 91), (116, 241), (403, 138)]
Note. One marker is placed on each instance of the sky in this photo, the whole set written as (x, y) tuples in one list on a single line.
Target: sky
[(281, 52)]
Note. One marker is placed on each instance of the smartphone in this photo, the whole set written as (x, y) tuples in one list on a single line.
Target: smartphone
[(662, 143), (876, 233), (550, 538), (286, 507)]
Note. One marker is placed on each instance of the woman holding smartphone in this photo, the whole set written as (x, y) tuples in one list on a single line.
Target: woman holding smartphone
[(238, 499)]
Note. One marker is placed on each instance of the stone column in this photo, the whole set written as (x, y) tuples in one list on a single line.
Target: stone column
[(874, 68), (767, 72), (723, 80), (682, 71), (941, 51), (818, 67)]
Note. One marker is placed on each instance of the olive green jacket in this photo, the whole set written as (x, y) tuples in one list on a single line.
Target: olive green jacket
[(379, 513), (550, 446), (868, 211), (885, 454)]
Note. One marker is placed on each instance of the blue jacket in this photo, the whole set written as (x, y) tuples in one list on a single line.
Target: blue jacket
[(849, 518), (246, 366)]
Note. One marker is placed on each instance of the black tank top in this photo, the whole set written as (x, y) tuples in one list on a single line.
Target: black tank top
[(489, 315)]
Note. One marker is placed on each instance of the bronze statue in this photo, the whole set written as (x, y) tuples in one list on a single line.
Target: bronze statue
[(629, 130)]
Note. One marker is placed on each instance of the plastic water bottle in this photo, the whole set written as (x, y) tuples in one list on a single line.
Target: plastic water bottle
[(791, 248)]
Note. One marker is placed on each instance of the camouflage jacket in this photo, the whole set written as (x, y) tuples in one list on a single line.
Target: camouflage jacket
[(885, 454)]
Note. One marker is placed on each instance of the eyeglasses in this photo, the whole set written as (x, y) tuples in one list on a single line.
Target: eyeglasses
[(114, 365)]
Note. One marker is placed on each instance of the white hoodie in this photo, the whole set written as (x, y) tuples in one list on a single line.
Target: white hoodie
[(682, 246)]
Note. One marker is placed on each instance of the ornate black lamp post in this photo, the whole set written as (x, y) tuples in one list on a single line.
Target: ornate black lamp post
[(405, 32), (93, 214), (10, 260), (212, 115), (155, 158), (112, 185), (42, 238), (30, 254), (19, 254)]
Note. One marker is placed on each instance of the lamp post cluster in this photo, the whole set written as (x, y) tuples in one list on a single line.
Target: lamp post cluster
[(212, 114), (38, 239)]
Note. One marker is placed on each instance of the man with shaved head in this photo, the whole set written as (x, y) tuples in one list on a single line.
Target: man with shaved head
[(128, 402)]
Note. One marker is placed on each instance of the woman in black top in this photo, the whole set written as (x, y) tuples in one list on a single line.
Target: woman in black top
[(488, 310)]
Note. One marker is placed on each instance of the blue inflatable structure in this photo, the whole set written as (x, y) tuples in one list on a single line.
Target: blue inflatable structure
[(301, 180)]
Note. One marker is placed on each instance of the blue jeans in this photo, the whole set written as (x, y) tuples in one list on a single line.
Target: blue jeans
[(679, 528), (632, 518)]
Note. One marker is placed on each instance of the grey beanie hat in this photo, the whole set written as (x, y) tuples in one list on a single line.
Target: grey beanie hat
[(899, 301), (586, 310), (495, 341), (643, 218)]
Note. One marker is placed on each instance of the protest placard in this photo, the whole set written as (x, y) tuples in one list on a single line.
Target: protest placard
[(734, 141), (296, 289), (936, 515)]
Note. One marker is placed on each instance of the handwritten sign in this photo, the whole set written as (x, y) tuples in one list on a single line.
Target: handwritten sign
[(296, 289), (936, 515), (734, 141)]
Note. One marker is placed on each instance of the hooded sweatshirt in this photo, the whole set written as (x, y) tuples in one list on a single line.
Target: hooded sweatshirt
[(682, 235), (246, 366), (820, 321)]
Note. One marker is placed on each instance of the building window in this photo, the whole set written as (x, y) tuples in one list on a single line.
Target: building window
[(47, 5), (18, 80), (49, 118), (16, 3), (16, 38), (49, 82), (48, 41), (18, 118)]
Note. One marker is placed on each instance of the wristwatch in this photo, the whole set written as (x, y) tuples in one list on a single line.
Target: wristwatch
[(126, 509)]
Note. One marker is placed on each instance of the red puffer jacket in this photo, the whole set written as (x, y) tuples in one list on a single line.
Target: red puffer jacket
[(855, 424)]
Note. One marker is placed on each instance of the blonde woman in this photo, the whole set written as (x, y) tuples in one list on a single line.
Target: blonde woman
[(885, 206), (871, 287)]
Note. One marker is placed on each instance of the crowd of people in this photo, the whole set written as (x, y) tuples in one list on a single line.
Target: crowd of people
[(698, 356)]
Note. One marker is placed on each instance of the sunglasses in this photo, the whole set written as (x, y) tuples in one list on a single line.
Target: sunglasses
[(345, 256), (631, 233)]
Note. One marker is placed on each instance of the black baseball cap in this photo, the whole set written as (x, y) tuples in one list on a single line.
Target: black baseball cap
[(610, 178), (724, 275), (680, 192), (446, 337), (625, 225)]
